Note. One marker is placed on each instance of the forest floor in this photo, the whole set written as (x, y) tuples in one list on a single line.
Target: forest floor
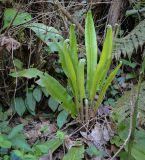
[(33, 125)]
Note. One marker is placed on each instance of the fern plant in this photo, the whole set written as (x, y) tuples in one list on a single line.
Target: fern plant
[(131, 43), (82, 90)]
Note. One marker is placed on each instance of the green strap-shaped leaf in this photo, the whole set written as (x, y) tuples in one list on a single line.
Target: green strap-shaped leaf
[(80, 79), (73, 47), (104, 63), (91, 49), (62, 59), (106, 85), (75, 153), (57, 91), (70, 69), (107, 52), (53, 87)]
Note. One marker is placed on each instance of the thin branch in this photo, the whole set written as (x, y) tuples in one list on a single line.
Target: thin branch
[(69, 17), (12, 21), (128, 137), (134, 118)]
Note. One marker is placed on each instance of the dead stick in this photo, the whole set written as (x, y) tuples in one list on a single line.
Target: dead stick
[(69, 17)]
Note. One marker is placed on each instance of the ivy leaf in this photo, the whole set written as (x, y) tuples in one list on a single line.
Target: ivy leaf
[(16, 155), (4, 151), (54, 88), (30, 101), (61, 118), (75, 153), (29, 156), (49, 35), (21, 18), (53, 104), (20, 142), (4, 127), (15, 131), (93, 152), (4, 143), (51, 145), (37, 94), (28, 73), (45, 91), (19, 105), (18, 63), (3, 116)]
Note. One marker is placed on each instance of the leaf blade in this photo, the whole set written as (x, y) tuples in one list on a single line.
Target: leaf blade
[(104, 63), (19, 105), (57, 91), (75, 153), (61, 118), (106, 85), (73, 47), (91, 49), (15, 131), (37, 94), (70, 68), (30, 101), (81, 79)]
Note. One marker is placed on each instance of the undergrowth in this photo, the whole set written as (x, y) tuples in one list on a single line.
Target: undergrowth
[(74, 112)]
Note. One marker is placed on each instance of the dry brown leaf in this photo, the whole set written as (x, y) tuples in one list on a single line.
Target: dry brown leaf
[(97, 158), (96, 136), (68, 142), (99, 135), (39, 129), (46, 157), (9, 43)]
